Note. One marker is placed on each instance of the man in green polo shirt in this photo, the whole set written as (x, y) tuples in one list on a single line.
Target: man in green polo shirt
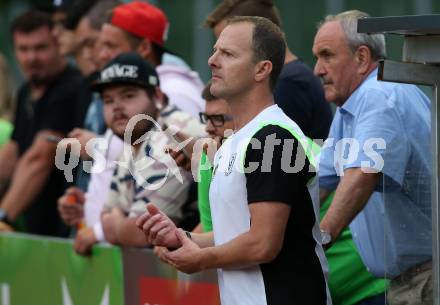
[(218, 121)]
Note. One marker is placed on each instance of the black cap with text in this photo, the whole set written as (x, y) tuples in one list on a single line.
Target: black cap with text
[(127, 68)]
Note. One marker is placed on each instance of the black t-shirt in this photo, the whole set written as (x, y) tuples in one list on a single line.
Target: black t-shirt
[(300, 95), (59, 109), (295, 276)]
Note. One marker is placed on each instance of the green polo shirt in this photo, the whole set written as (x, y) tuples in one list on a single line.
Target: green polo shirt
[(349, 280), (205, 176), (5, 131)]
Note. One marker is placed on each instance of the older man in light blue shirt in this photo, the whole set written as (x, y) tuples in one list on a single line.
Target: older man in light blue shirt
[(393, 230), (378, 158)]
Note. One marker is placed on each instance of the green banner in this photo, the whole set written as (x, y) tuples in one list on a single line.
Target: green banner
[(42, 271)]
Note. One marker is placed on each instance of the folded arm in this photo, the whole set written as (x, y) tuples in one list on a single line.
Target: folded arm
[(30, 175)]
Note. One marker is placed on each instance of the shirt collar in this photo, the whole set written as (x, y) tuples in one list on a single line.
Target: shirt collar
[(351, 103)]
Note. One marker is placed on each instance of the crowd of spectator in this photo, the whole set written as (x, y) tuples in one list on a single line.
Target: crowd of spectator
[(152, 140)]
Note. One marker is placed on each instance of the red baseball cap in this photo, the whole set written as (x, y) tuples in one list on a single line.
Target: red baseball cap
[(143, 20)]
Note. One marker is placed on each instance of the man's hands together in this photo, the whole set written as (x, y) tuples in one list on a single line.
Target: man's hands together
[(173, 246), (159, 229)]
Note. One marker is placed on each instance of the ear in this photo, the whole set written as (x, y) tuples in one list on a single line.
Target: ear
[(159, 94), (364, 60), (263, 70), (159, 99), (145, 49)]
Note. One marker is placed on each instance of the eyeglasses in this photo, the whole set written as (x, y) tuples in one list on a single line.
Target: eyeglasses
[(218, 120)]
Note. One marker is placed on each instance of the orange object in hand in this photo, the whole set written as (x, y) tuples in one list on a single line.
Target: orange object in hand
[(71, 199)]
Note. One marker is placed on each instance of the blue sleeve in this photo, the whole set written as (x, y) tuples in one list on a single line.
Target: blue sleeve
[(378, 129), (328, 177)]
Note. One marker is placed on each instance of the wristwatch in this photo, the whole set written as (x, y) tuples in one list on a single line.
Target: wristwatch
[(4, 216), (326, 238)]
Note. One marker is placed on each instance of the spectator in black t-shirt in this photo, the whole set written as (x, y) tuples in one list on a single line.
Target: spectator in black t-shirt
[(46, 111), (298, 92)]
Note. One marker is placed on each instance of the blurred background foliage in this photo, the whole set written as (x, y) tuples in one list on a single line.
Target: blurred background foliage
[(192, 42)]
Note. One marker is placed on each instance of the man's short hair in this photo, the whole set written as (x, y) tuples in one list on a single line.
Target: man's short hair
[(78, 10), (101, 12), (268, 43), (231, 8), (134, 42), (348, 21), (207, 95), (31, 21)]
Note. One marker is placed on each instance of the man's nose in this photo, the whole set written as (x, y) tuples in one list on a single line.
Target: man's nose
[(212, 61), (117, 105), (209, 127), (31, 55), (103, 56), (319, 68)]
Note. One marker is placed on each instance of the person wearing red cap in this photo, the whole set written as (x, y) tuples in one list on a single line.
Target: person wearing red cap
[(142, 27)]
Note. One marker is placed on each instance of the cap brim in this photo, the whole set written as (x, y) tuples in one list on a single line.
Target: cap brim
[(98, 86)]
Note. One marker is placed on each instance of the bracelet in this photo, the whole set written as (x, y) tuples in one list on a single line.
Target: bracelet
[(188, 235)]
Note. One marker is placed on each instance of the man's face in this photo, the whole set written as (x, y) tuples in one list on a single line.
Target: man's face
[(232, 63), (121, 103), (335, 63), (37, 54), (112, 42), (218, 108), (86, 37), (64, 37)]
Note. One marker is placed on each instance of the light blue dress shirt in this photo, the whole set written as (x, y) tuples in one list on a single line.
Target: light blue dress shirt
[(386, 126)]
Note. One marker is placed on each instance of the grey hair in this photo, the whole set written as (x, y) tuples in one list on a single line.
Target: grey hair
[(348, 21)]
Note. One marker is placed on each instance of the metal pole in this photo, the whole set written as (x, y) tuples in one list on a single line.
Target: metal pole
[(422, 74), (435, 115)]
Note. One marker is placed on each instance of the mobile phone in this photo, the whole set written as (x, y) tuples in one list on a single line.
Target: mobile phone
[(175, 138), (53, 138)]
